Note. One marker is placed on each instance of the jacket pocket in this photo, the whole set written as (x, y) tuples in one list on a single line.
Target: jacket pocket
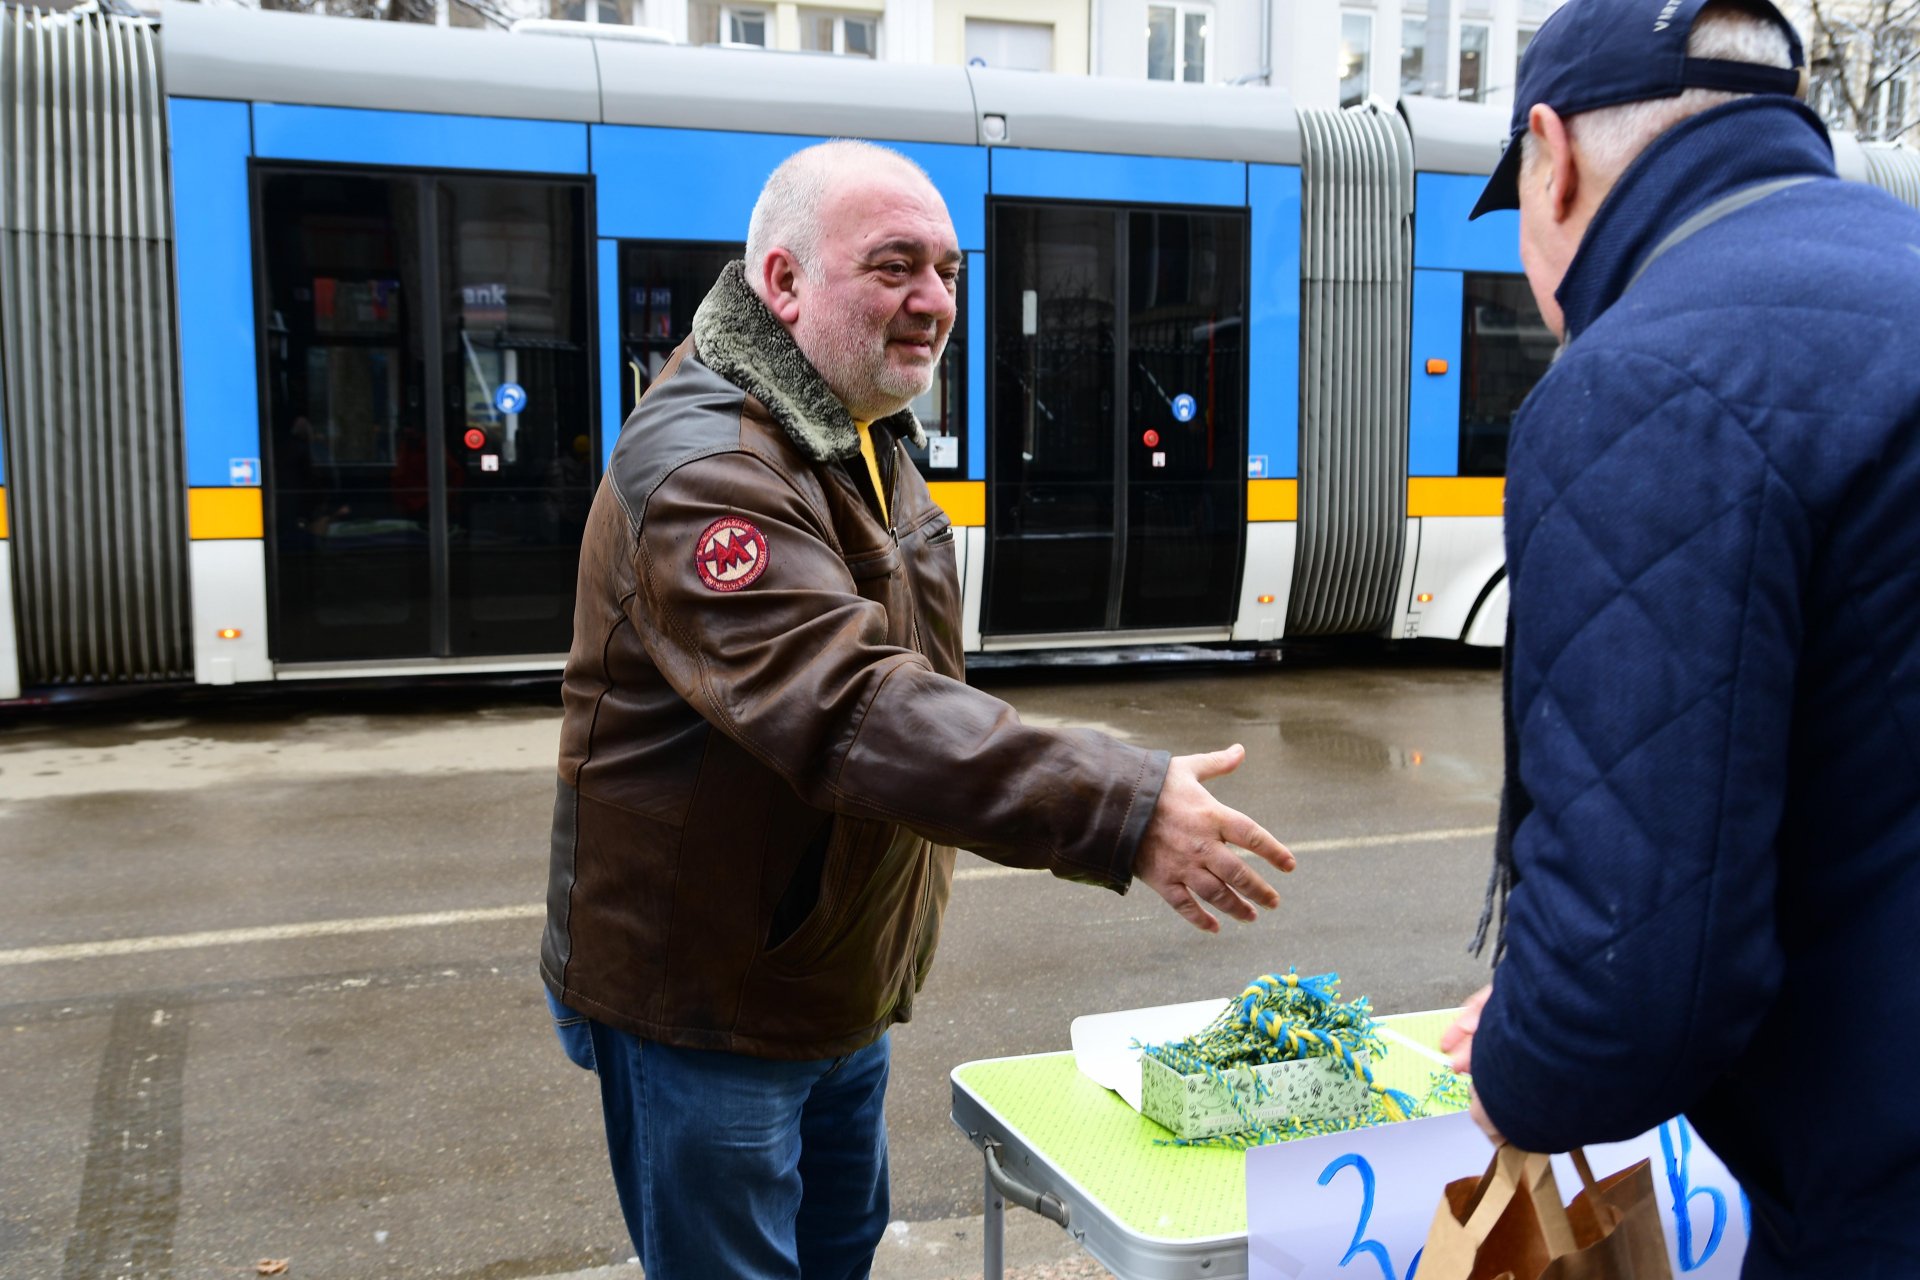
[(874, 564), (848, 844), (800, 900)]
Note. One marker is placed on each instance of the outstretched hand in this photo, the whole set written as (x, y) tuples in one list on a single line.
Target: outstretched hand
[(1188, 854)]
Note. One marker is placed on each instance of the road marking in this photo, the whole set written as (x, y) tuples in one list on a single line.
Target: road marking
[(110, 947), (1298, 846), (264, 933)]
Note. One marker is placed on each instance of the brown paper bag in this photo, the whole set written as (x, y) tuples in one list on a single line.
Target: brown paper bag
[(1510, 1224), (1616, 1228), (1498, 1224)]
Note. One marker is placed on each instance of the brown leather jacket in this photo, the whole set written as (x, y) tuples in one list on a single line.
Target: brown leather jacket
[(769, 751)]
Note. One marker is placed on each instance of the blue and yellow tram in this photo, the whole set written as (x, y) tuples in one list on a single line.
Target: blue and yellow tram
[(315, 336)]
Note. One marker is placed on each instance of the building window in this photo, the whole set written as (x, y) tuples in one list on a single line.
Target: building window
[(853, 35), (1521, 41), (1012, 46), (1178, 43), (1413, 56), (1473, 62), (612, 12), (1356, 60), (734, 25)]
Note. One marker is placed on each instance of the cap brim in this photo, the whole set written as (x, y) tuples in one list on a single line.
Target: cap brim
[(1503, 188)]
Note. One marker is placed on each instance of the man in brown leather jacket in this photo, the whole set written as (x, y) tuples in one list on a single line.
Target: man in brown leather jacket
[(770, 752)]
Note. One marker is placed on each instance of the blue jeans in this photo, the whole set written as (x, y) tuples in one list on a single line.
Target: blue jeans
[(738, 1168)]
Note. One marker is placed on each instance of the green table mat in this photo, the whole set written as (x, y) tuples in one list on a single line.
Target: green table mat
[(1109, 1149)]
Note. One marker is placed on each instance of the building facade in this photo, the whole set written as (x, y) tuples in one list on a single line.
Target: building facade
[(1862, 57), (1324, 53)]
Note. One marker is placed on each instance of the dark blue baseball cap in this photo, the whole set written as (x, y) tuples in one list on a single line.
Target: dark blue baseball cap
[(1602, 53)]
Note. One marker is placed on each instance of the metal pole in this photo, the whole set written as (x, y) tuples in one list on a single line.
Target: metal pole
[(993, 1228)]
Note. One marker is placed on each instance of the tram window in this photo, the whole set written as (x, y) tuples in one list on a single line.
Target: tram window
[(345, 415), (429, 415), (1186, 380), (662, 284), (943, 409), (1505, 349), (517, 408), (1117, 468)]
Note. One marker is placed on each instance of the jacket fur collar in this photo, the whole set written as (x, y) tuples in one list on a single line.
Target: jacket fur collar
[(738, 338)]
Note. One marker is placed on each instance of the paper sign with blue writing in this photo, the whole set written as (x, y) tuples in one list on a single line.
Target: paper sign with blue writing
[(1359, 1204)]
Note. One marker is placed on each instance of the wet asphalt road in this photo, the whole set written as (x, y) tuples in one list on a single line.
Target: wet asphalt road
[(386, 1100)]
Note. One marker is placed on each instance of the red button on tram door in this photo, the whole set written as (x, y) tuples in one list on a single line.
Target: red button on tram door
[(476, 438), (1150, 438)]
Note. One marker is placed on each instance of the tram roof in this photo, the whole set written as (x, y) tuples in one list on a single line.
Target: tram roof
[(1139, 117), (266, 56), (1455, 137), (760, 91)]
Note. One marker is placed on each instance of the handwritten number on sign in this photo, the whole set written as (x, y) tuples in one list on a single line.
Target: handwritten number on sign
[(1372, 1248), (1677, 1133)]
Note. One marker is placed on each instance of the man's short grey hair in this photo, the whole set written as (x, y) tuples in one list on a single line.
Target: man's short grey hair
[(1612, 138), (787, 214)]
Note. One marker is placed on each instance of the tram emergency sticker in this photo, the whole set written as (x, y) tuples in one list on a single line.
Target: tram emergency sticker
[(730, 555)]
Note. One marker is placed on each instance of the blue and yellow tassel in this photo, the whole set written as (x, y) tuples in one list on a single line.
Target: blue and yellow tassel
[(1285, 1017)]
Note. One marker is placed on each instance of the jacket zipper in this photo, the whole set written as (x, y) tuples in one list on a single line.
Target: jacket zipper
[(893, 531)]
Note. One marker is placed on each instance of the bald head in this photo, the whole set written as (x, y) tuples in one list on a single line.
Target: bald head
[(853, 251), (795, 203)]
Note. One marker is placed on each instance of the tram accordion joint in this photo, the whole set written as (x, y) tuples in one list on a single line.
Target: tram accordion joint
[(1285, 1059)]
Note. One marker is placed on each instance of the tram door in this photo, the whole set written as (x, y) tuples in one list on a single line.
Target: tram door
[(431, 449), (1119, 390)]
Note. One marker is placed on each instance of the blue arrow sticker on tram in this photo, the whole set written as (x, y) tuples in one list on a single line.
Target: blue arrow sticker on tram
[(510, 397), (1184, 407)]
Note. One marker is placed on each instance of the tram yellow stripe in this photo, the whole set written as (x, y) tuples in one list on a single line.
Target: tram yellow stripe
[(224, 513), (3, 512), (1456, 495), (1273, 499), (965, 501)]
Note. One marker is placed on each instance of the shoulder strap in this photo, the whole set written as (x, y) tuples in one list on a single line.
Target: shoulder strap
[(1713, 213)]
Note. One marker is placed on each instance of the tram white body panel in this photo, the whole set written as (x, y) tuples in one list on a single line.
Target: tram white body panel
[(1489, 626), (1268, 572), (971, 548), (229, 582), (9, 648), (1457, 557)]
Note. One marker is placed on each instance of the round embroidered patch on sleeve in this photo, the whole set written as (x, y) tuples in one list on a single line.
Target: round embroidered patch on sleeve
[(731, 553)]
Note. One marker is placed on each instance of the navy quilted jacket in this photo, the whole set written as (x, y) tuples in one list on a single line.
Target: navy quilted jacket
[(1713, 541)]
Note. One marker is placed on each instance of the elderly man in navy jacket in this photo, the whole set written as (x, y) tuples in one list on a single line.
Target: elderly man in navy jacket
[(1713, 542)]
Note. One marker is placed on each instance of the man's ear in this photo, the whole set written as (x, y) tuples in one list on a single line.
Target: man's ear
[(1554, 147), (780, 282)]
